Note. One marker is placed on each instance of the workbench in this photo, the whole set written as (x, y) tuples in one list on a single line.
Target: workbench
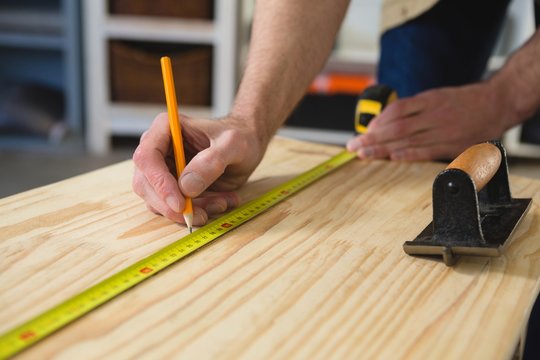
[(321, 275)]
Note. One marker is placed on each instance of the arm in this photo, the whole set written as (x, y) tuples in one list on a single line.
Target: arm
[(291, 41), (519, 81), (287, 50), (441, 123)]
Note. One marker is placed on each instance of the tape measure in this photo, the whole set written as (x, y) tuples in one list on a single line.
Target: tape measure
[(54, 319), (370, 103)]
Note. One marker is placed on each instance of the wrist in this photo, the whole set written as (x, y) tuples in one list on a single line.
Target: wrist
[(253, 126), (258, 122), (515, 88), (506, 101)]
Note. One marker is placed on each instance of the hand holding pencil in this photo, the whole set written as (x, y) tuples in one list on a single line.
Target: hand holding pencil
[(221, 154)]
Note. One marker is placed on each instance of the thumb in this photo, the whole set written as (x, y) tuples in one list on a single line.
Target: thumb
[(206, 167)]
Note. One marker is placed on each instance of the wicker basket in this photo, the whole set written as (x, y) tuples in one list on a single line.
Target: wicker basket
[(136, 72), (188, 9)]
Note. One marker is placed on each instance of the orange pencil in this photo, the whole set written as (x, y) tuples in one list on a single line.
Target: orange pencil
[(176, 131)]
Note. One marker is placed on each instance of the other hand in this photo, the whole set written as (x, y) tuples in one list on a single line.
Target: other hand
[(435, 124)]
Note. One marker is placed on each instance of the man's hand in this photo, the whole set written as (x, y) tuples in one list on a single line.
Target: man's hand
[(441, 123), (220, 156), (436, 124)]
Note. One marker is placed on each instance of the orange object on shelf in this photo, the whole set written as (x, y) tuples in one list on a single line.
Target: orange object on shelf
[(333, 83)]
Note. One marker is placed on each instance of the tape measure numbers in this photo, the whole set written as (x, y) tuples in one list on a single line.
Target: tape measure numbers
[(57, 317)]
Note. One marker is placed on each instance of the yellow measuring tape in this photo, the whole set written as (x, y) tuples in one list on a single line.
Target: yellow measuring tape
[(57, 317)]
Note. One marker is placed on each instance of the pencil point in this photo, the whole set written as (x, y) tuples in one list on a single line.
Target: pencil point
[(189, 221)]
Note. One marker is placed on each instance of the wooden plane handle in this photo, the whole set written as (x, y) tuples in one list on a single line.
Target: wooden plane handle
[(480, 161)]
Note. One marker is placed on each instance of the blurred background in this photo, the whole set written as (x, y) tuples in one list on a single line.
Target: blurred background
[(80, 80)]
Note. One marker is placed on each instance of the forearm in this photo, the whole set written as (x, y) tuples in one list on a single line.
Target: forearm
[(291, 41), (517, 84)]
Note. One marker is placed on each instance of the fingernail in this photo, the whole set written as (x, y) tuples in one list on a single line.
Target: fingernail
[(367, 152), (173, 203), (192, 184), (354, 144)]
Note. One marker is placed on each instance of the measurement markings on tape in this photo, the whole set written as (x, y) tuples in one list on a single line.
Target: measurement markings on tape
[(57, 317)]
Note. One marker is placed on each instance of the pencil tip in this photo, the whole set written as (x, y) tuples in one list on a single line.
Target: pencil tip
[(189, 221)]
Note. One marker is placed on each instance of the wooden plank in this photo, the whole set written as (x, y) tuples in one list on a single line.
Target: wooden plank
[(299, 281)]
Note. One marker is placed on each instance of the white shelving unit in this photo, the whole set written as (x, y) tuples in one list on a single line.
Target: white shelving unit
[(106, 118), (40, 44)]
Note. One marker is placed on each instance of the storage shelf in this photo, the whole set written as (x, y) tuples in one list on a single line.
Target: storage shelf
[(160, 29), (132, 119), (31, 21), (55, 42), (40, 44), (106, 118)]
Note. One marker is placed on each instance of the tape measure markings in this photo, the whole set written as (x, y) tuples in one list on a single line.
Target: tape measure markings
[(22, 336)]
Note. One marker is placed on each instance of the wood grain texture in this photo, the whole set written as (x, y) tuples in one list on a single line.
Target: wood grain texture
[(296, 282)]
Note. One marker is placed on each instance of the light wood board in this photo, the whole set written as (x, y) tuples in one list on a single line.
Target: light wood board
[(321, 275)]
